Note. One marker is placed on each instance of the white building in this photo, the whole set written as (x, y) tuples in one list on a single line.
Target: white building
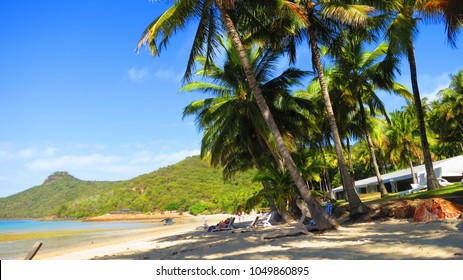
[(450, 169)]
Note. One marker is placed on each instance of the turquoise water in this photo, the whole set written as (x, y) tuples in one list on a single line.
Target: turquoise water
[(19, 249)]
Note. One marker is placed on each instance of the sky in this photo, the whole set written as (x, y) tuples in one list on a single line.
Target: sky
[(76, 97)]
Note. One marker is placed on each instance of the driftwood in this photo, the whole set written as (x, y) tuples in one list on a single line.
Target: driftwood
[(297, 230), (34, 251)]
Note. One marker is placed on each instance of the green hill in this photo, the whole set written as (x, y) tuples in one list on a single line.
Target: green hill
[(189, 185)]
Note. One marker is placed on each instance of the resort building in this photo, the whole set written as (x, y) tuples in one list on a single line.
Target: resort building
[(450, 169)]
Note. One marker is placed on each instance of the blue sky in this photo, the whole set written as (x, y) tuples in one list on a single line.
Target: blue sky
[(74, 95)]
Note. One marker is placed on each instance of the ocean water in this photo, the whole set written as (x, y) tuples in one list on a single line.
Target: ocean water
[(19, 249)]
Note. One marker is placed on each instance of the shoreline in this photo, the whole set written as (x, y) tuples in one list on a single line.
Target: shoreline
[(129, 238), (393, 239)]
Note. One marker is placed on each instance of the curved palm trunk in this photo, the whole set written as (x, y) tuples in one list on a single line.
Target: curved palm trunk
[(356, 206), (323, 220), (430, 175), (382, 187)]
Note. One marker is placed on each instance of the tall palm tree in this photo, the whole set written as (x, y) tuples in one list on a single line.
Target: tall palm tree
[(317, 20), (235, 134), (401, 32), (359, 73), (211, 15)]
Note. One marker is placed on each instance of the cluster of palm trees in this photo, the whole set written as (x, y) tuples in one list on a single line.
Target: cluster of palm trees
[(253, 120)]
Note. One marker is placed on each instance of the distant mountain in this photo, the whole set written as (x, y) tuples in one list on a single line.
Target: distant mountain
[(188, 185)]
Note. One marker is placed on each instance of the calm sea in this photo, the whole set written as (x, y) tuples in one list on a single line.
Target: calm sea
[(20, 248)]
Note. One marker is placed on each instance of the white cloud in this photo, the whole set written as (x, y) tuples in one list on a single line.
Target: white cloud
[(72, 162), (158, 160), (430, 85), (23, 166), (168, 75), (138, 75), (33, 152)]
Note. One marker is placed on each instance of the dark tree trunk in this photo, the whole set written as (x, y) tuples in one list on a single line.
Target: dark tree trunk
[(356, 206), (430, 175)]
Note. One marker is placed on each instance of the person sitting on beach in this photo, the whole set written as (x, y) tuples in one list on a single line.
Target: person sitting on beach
[(219, 226)]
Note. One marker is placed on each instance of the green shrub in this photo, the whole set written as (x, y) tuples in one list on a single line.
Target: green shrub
[(199, 208)]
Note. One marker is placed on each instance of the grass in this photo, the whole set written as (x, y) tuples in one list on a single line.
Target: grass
[(373, 198)]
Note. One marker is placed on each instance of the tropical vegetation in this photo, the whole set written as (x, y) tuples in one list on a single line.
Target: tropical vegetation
[(282, 136), (253, 121)]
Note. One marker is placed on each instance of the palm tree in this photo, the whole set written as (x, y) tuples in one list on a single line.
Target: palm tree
[(401, 32), (359, 73), (404, 143), (235, 134), (452, 13), (319, 130), (210, 15), (446, 117), (280, 188), (317, 20)]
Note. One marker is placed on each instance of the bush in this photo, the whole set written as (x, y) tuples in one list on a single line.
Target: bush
[(198, 208), (172, 206)]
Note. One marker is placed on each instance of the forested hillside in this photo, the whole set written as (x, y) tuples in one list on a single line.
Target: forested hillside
[(189, 185)]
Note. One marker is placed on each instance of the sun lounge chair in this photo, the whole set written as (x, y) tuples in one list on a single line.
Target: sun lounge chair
[(265, 220), (225, 225), (254, 222), (267, 223), (415, 188)]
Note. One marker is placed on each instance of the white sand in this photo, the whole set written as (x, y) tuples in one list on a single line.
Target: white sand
[(394, 239)]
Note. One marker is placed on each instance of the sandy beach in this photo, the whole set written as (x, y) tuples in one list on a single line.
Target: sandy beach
[(380, 240)]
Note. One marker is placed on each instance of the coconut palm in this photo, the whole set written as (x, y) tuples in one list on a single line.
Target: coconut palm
[(452, 13), (446, 117), (404, 142), (359, 73), (401, 32), (235, 134), (317, 21), (211, 15)]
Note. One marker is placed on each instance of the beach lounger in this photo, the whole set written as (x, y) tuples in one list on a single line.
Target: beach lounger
[(254, 222), (415, 188), (266, 221), (226, 225)]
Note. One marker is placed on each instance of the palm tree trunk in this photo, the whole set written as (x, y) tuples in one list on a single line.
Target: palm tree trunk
[(382, 187), (323, 220), (272, 204), (430, 175), (349, 156), (356, 206), (327, 176), (412, 171)]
